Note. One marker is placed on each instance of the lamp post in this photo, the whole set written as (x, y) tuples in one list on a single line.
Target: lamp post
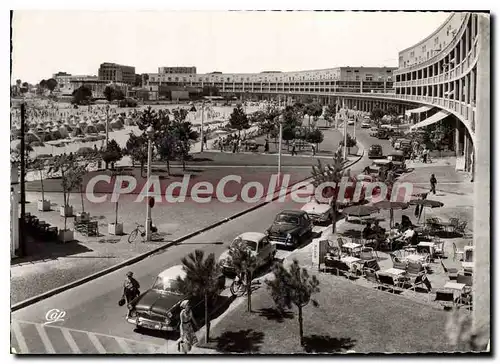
[(149, 133), (202, 119), (355, 121), (280, 120), (107, 125)]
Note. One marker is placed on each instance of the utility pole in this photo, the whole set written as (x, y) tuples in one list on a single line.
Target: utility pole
[(345, 132), (202, 116), (22, 239), (107, 126)]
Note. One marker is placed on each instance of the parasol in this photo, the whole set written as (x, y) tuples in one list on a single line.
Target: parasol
[(359, 211), (426, 203), (391, 206)]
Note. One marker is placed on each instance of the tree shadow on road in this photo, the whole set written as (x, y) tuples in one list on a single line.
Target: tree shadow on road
[(326, 344), (243, 341), (274, 314)]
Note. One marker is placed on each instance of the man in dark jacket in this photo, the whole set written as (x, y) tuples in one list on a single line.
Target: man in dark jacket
[(433, 182), (130, 288)]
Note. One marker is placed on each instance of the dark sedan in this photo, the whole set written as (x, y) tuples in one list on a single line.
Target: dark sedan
[(375, 151), (159, 307), (290, 227)]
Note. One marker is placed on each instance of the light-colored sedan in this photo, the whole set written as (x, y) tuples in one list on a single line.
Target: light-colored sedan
[(320, 213), (259, 245)]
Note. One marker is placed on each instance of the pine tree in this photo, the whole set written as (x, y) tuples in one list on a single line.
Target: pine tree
[(293, 286), (201, 281), (244, 263), (330, 173)]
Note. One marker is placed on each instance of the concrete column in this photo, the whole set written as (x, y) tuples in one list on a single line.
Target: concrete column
[(457, 138), (465, 89), (481, 277)]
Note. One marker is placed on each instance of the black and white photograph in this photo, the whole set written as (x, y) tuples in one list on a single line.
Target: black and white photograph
[(249, 182)]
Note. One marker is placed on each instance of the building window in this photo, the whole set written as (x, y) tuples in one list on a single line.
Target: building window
[(369, 77), (412, 54)]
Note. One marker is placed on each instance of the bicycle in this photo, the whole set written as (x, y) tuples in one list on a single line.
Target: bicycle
[(238, 287), (133, 234)]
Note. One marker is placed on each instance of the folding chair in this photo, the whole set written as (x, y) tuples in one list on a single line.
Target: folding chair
[(452, 272), (457, 252)]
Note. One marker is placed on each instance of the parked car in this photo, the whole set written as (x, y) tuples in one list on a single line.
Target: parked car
[(290, 227), (158, 308), (398, 160), (375, 151), (382, 134), (401, 143), (373, 131), (257, 243), (320, 213), (365, 124)]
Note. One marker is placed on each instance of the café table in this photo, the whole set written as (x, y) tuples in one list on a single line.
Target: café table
[(416, 258), (427, 244), (350, 261), (351, 247), (394, 271), (468, 265), (456, 287)]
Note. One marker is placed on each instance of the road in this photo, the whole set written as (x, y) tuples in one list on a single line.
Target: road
[(94, 323)]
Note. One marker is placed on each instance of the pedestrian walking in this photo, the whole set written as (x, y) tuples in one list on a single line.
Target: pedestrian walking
[(205, 141), (313, 150), (130, 290), (425, 155), (433, 182), (266, 146), (187, 334), (293, 149)]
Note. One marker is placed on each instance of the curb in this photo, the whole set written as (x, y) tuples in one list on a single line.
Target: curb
[(140, 257)]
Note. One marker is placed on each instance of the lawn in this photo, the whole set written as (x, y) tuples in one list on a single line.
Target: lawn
[(349, 317)]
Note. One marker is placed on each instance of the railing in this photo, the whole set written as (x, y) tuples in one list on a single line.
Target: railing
[(439, 55)]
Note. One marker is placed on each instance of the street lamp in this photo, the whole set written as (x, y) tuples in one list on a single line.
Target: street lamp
[(150, 134), (107, 125), (202, 119), (355, 121), (281, 119)]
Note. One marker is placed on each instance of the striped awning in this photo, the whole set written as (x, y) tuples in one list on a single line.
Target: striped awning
[(418, 110), (440, 115)]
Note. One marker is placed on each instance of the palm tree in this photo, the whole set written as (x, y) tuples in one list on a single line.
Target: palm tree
[(330, 173), (202, 280), (244, 263), (293, 287)]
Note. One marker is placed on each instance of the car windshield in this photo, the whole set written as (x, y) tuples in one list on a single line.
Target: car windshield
[(166, 285), (252, 245), (286, 219)]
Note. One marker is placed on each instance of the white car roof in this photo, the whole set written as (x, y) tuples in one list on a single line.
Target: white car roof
[(314, 206), (173, 273), (251, 236)]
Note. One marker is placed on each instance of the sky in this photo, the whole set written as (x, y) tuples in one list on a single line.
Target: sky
[(46, 42)]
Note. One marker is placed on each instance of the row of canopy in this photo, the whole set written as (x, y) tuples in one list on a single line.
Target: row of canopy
[(440, 115)]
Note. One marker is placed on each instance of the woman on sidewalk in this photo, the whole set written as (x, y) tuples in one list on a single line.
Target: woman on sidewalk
[(187, 334)]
